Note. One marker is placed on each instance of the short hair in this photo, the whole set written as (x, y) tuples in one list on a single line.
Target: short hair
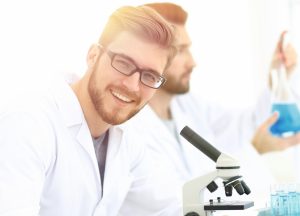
[(144, 22), (171, 12)]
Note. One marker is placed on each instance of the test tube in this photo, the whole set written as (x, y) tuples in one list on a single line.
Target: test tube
[(283, 201), (297, 199), (292, 199), (274, 199)]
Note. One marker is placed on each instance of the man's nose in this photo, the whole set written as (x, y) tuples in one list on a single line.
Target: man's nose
[(132, 82), (191, 61)]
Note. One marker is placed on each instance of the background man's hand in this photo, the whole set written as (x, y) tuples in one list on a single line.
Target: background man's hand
[(265, 142)]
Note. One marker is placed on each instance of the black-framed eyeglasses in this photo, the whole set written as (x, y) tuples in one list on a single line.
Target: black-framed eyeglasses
[(126, 66)]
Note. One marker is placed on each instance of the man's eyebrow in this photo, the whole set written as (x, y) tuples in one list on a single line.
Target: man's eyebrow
[(183, 46), (126, 57)]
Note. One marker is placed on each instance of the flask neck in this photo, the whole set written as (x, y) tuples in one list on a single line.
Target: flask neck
[(280, 86)]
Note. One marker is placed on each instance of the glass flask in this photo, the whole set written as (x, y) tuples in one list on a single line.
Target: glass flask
[(284, 103)]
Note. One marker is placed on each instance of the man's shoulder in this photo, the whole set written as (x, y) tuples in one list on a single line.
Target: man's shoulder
[(32, 110), (29, 118)]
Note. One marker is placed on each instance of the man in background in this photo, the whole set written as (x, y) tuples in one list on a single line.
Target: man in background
[(173, 107)]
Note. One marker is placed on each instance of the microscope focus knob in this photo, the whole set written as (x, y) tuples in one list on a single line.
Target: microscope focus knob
[(192, 214), (212, 187)]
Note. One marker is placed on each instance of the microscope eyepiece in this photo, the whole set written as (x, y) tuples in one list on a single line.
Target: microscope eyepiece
[(200, 143)]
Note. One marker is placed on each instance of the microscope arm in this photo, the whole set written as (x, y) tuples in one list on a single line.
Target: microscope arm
[(193, 191)]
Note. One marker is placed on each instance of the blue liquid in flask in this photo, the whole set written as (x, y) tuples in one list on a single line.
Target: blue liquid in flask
[(289, 118)]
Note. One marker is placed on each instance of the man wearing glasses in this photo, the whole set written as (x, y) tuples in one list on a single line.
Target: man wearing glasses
[(127, 66), (62, 155)]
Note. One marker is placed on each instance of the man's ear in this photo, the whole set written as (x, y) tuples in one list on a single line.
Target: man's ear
[(93, 53)]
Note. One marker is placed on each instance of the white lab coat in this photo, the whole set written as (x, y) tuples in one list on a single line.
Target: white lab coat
[(177, 162), (48, 165)]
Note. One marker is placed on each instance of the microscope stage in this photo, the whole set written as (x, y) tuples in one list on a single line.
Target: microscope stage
[(229, 205)]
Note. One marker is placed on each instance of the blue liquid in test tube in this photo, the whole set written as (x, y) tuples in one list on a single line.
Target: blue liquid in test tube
[(298, 203), (292, 203), (274, 203), (283, 203)]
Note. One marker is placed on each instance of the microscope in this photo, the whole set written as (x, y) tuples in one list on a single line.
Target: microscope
[(227, 168)]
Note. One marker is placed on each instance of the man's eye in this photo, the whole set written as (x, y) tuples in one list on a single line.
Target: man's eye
[(123, 64), (149, 77)]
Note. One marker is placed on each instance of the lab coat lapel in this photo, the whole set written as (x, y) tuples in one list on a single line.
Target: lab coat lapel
[(117, 174), (73, 117), (85, 140), (118, 164)]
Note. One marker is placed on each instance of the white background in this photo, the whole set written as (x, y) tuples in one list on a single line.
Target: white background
[(232, 43)]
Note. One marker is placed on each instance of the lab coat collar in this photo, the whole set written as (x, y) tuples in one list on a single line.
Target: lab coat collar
[(70, 108), (72, 116), (68, 104)]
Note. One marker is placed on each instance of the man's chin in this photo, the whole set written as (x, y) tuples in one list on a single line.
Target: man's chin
[(175, 89), (117, 119), (183, 90), (114, 121)]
